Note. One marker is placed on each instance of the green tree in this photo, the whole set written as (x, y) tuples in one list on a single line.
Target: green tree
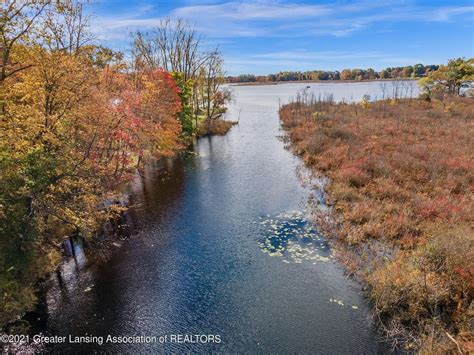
[(419, 70), (449, 79), (371, 74), (186, 96), (384, 74)]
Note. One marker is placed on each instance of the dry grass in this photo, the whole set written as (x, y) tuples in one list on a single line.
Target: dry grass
[(219, 127), (401, 187)]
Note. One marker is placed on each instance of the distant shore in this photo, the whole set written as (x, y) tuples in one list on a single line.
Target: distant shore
[(255, 83)]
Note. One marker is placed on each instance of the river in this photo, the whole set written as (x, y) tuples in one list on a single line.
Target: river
[(222, 247)]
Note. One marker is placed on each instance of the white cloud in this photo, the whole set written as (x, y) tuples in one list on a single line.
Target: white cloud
[(266, 10), (230, 22), (447, 13), (271, 18)]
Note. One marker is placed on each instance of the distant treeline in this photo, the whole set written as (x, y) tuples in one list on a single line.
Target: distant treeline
[(411, 71)]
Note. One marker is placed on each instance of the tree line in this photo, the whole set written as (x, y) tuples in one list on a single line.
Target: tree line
[(411, 71), (77, 120)]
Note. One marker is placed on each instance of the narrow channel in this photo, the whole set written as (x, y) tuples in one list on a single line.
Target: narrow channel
[(203, 260)]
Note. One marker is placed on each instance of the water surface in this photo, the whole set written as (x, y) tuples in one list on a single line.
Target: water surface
[(223, 248)]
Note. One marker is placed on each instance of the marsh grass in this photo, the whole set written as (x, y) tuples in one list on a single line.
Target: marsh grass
[(400, 186)]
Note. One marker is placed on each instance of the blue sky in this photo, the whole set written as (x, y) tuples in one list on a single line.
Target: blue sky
[(267, 36)]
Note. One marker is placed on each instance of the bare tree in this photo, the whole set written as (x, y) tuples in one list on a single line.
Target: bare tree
[(173, 46), (66, 27), (213, 95)]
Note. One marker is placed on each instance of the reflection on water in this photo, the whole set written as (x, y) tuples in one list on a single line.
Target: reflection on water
[(196, 264)]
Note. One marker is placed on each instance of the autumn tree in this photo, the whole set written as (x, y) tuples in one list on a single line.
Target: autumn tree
[(449, 79), (176, 47), (407, 71), (17, 28), (371, 74), (75, 124), (346, 74), (159, 109)]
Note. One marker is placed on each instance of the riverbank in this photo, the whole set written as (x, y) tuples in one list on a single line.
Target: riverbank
[(165, 279), (218, 127), (103, 241), (400, 188)]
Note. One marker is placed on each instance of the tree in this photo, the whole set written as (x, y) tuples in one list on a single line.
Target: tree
[(185, 94), (357, 74), (102, 57), (346, 74), (17, 24), (449, 79), (419, 70), (213, 96), (65, 27), (75, 124), (407, 71), (175, 47), (371, 75), (159, 109), (384, 74), (396, 72)]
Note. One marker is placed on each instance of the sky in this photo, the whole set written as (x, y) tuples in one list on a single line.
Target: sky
[(268, 36)]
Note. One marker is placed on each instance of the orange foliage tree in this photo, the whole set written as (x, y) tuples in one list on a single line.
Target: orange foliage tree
[(75, 124)]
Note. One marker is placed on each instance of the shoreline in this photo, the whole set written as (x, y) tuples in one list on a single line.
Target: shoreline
[(319, 82), (382, 247), (112, 235)]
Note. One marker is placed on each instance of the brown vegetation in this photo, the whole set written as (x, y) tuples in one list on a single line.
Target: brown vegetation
[(218, 127), (400, 186)]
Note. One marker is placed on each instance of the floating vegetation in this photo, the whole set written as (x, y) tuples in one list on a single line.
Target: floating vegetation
[(341, 303), (293, 238)]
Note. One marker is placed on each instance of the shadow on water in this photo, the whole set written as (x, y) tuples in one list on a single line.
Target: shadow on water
[(203, 262)]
